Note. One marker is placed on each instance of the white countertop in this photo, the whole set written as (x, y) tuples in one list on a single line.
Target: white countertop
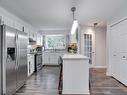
[(74, 56)]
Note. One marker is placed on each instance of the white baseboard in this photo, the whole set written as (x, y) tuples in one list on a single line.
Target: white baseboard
[(108, 73), (75, 91)]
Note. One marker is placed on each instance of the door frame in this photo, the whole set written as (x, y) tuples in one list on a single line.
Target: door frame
[(91, 31)]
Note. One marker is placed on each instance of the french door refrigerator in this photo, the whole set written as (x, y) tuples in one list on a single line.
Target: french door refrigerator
[(14, 59)]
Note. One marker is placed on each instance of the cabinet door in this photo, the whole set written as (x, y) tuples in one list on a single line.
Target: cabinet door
[(28, 66), (123, 68), (31, 64), (8, 21), (46, 58), (53, 59)]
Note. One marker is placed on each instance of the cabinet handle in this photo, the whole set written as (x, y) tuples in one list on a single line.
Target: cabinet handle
[(29, 67), (124, 56), (114, 55)]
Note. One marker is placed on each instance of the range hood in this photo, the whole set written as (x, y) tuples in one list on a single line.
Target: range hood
[(31, 40)]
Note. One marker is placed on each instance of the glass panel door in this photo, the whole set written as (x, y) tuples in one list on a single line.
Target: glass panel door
[(88, 46)]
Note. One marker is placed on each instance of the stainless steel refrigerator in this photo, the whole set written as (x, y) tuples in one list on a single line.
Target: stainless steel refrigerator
[(0, 68), (14, 59)]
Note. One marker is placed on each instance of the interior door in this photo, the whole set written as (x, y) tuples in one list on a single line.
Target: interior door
[(89, 48), (22, 58)]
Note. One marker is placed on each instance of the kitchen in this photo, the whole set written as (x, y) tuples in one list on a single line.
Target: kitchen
[(62, 48)]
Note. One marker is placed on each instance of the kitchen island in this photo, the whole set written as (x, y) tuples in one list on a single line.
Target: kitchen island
[(75, 74)]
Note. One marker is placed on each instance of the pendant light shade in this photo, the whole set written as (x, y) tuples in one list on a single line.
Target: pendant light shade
[(75, 22), (74, 27)]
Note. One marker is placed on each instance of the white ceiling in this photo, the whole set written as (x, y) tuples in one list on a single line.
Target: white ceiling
[(57, 14)]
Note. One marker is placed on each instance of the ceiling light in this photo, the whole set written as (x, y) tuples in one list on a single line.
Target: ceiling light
[(74, 26), (75, 22)]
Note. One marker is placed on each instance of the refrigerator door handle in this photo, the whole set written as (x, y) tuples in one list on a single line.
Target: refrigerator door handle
[(16, 40)]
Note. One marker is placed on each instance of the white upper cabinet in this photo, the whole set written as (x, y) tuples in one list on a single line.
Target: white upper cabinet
[(7, 21), (18, 26), (39, 39)]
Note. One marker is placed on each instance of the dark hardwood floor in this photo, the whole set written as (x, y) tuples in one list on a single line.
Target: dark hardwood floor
[(45, 82), (100, 84)]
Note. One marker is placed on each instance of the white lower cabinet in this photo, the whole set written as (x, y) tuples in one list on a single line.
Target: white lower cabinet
[(31, 64), (51, 58)]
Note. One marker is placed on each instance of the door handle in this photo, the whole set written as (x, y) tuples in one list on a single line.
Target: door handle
[(114, 55), (29, 66), (124, 56)]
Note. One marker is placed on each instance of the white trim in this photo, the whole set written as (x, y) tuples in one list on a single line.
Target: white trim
[(100, 67), (118, 21), (84, 31), (108, 50), (75, 91)]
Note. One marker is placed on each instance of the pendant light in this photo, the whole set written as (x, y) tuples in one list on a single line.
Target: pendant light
[(75, 22)]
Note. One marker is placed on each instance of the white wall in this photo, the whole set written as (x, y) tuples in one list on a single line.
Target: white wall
[(119, 16), (99, 45), (54, 31)]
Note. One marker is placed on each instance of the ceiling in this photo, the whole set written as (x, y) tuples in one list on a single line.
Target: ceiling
[(57, 14)]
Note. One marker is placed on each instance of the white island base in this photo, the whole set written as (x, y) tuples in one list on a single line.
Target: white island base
[(75, 74)]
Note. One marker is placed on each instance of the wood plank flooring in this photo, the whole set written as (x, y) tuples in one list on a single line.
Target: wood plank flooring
[(45, 82), (100, 84)]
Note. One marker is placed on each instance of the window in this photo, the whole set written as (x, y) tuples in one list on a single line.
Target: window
[(55, 42)]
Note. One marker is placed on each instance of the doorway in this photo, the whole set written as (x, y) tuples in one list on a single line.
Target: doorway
[(89, 47)]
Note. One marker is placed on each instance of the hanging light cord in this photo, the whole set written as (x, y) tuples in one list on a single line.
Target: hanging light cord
[(73, 9)]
